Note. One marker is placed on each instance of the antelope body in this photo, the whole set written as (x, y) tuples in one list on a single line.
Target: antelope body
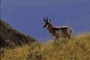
[(57, 31)]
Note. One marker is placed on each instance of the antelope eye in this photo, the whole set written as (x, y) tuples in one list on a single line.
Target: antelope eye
[(48, 26)]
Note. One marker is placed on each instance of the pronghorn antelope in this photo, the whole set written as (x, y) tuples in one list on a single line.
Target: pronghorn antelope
[(58, 31)]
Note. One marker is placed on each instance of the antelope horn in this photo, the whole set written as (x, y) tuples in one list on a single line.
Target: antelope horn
[(44, 19), (49, 20)]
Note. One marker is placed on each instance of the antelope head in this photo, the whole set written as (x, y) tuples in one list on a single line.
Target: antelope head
[(47, 23)]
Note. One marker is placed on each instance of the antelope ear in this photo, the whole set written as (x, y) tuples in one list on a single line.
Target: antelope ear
[(50, 20)]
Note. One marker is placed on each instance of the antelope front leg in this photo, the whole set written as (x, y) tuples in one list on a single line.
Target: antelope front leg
[(55, 40)]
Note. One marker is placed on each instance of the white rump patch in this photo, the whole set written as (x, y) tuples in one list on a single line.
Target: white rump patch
[(68, 31)]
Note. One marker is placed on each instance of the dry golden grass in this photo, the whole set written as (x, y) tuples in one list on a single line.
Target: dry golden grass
[(78, 48)]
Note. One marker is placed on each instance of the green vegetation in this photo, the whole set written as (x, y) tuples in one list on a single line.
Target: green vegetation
[(77, 48)]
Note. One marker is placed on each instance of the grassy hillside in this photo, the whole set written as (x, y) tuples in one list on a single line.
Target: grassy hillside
[(11, 38), (78, 48)]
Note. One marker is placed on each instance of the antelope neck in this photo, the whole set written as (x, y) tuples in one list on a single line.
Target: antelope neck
[(50, 28)]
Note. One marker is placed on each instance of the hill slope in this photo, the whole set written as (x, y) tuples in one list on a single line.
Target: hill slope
[(77, 48), (10, 37)]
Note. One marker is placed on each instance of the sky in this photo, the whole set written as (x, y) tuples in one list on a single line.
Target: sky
[(27, 15)]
